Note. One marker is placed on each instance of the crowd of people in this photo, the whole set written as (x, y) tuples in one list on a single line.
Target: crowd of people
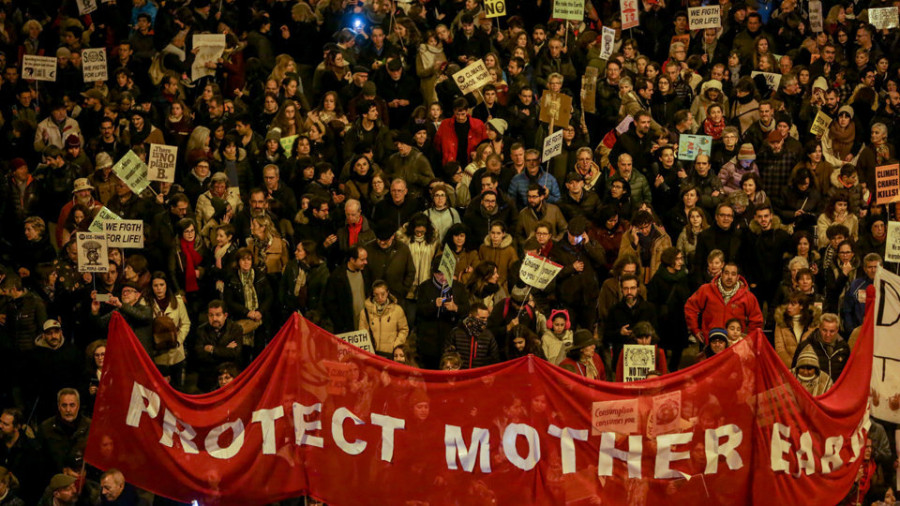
[(328, 160)]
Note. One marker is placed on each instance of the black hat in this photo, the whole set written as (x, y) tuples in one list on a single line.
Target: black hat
[(718, 333), (574, 176), (582, 339), (394, 64), (359, 69), (403, 137), (578, 225), (384, 230)]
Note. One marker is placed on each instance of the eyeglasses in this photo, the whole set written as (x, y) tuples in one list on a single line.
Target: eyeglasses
[(724, 215)]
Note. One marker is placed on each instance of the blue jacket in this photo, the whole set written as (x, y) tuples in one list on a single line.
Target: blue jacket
[(518, 187)]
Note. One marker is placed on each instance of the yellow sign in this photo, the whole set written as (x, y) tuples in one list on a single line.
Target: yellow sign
[(494, 8)]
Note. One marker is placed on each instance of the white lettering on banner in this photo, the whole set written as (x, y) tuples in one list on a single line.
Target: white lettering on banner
[(455, 445), (779, 448), (567, 437), (337, 432), (706, 16), (552, 145), (473, 77), (388, 425), (186, 433), (665, 455), (266, 419), (608, 452), (139, 394), (39, 68), (715, 448), (512, 432), (237, 440), (302, 428), (93, 65), (831, 461), (805, 456)]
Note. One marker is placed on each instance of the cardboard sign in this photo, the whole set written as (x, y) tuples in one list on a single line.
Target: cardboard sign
[(884, 18), (629, 10), (39, 68), (473, 77), (210, 47), (820, 124), (359, 338), (494, 8), (568, 9), (92, 256), (538, 271), (706, 16), (132, 171), (589, 89), (689, 146), (448, 264), (607, 42), (94, 65), (161, 161), (552, 145), (124, 233), (887, 184), (892, 243), (816, 20), (103, 215), (556, 108), (614, 416), (637, 361), (772, 79), (86, 6)]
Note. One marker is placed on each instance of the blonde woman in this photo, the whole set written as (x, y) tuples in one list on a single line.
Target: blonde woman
[(268, 247)]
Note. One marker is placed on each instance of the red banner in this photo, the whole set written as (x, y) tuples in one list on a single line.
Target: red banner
[(312, 415)]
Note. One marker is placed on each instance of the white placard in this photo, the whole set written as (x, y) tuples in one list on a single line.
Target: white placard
[(816, 20), (629, 10), (124, 233), (39, 68), (637, 361), (538, 271), (161, 163), (92, 256), (607, 41), (132, 171), (359, 338), (552, 145), (706, 16), (885, 383), (94, 65), (103, 215), (86, 6), (210, 47), (884, 18), (473, 77), (892, 243), (772, 79)]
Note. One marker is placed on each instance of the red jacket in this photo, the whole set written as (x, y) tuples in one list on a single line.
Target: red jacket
[(445, 141), (579, 369), (706, 309)]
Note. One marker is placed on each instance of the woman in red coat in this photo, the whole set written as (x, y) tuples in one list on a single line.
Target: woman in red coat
[(582, 358), (644, 334)]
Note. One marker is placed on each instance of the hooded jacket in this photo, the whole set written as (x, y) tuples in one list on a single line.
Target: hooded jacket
[(388, 328), (786, 339), (820, 382), (504, 256), (706, 308)]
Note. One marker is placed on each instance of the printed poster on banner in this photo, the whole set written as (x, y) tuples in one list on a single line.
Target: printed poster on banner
[(538, 271), (448, 265), (772, 79), (629, 10), (92, 255), (884, 18), (86, 6), (568, 9), (161, 163), (887, 184), (816, 20), (94, 65), (885, 389), (103, 215), (666, 415), (209, 49), (132, 171), (39, 68), (607, 42), (359, 338), (494, 8), (689, 146), (638, 360), (614, 416), (473, 77), (820, 124), (124, 233), (706, 16), (552, 145)]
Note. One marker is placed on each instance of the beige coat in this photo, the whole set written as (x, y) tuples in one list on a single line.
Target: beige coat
[(388, 330), (659, 245), (276, 253), (786, 341), (504, 256), (180, 317)]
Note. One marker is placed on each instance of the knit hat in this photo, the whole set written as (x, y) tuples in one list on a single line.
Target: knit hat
[(394, 64), (518, 294), (17, 163), (846, 109), (102, 161), (403, 137), (747, 152), (668, 256), (783, 117), (498, 124), (63, 53), (820, 83), (808, 358), (219, 177), (360, 69), (72, 141), (775, 136), (369, 89), (718, 333), (95, 94)]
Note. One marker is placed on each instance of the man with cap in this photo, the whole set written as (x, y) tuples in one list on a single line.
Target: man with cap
[(102, 179), (575, 200), (57, 365), (391, 261), (358, 78), (56, 128), (24, 191), (400, 90), (82, 194), (367, 92), (776, 159), (63, 436), (582, 260), (409, 164), (63, 491)]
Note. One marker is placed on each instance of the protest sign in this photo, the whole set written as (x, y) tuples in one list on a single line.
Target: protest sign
[(86, 6), (884, 18), (706, 16), (494, 8), (887, 184), (103, 215), (39, 68), (892, 243), (124, 233), (820, 124), (94, 65), (448, 265), (132, 171), (614, 416), (772, 79), (552, 145), (359, 338), (629, 10), (568, 9), (287, 143), (885, 381), (92, 256), (689, 146), (816, 20), (473, 77), (556, 108), (607, 42), (161, 163), (209, 49), (538, 271), (637, 361), (589, 89)]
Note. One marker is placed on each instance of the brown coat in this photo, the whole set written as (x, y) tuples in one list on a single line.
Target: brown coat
[(659, 245), (276, 254), (504, 256), (786, 341)]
